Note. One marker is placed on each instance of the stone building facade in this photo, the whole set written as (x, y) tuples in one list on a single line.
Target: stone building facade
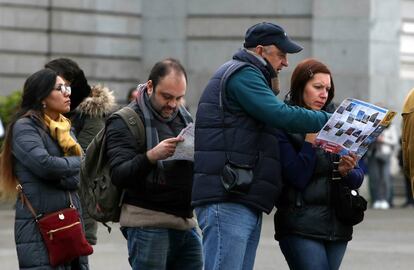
[(117, 42)]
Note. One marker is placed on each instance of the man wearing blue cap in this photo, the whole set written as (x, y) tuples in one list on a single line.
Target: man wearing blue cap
[(237, 173)]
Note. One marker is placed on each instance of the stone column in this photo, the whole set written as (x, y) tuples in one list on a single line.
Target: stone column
[(359, 41), (384, 62), (163, 31)]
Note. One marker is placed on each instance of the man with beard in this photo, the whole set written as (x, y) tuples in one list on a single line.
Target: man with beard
[(156, 216)]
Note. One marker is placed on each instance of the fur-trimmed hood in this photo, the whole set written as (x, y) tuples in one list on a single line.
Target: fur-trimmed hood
[(100, 102)]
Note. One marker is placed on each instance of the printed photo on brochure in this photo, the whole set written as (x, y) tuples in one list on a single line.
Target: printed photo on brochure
[(353, 127)]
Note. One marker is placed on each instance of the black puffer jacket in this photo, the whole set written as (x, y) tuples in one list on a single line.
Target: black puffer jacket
[(309, 212), (47, 177), (166, 190)]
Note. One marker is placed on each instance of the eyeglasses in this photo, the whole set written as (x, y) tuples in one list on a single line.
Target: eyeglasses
[(64, 89)]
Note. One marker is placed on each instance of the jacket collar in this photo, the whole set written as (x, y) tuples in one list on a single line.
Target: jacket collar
[(256, 60), (100, 102)]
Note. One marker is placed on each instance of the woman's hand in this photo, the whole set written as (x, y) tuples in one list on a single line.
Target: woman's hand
[(347, 163), (310, 137)]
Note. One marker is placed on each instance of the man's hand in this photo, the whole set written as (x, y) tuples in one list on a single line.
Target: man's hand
[(163, 150), (347, 163)]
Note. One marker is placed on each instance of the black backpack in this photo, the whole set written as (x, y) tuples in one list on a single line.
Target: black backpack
[(102, 200)]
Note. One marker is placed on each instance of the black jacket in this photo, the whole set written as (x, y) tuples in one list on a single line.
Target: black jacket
[(309, 212), (131, 170)]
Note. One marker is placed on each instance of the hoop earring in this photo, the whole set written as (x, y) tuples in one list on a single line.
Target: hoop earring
[(44, 105)]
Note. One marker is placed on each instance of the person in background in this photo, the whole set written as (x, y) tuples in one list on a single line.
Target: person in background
[(90, 107), (156, 216), (74, 76), (235, 134), (132, 94), (41, 154), (379, 168), (407, 137), (309, 234), (90, 115)]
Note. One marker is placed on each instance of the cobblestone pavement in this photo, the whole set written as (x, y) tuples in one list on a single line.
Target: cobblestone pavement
[(385, 240)]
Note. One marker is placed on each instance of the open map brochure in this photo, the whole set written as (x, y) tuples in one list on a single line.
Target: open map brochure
[(353, 127), (185, 149)]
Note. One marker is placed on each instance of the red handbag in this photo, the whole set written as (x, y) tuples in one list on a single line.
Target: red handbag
[(61, 231)]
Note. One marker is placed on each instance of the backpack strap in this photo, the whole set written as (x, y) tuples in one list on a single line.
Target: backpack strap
[(134, 122), (135, 125)]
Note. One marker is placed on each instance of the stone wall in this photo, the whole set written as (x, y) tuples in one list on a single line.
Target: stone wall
[(104, 37), (117, 42)]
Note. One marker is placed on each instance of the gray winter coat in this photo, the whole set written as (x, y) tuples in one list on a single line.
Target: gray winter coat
[(47, 177)]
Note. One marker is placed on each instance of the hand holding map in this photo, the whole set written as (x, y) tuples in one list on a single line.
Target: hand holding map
[(353, 127), (185, 149)]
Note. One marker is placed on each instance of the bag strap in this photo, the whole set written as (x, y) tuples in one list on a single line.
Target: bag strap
[(336, 175), (25, 201), (134, 123)]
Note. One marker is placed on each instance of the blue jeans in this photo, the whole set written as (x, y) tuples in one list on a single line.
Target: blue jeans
[(231, 235), (159, 248), (308, 254), (380, 181)]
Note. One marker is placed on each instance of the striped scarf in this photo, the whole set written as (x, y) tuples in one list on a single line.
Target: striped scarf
[(150, 131)]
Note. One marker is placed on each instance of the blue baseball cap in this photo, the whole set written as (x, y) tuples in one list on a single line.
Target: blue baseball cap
[(266, 33)]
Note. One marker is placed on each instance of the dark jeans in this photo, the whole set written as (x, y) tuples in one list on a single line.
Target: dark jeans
[(162, 249), (308, 254)]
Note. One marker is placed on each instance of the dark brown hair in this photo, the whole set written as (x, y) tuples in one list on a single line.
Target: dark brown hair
[(36, 88), (70, 71), (163, 68), (303, 72)]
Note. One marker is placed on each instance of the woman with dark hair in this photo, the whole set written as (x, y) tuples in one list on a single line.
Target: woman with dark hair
[(41, 155), (309, 234)]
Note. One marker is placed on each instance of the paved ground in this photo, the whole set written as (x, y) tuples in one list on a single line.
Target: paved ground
[(385, 240)]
